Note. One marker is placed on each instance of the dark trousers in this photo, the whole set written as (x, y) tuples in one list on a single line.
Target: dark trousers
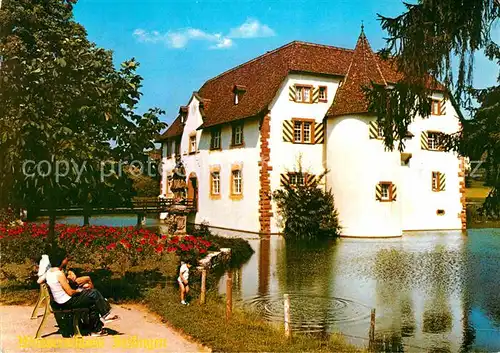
[(88, 298)]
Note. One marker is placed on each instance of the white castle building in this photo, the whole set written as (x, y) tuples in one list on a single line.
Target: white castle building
[(240, 137)]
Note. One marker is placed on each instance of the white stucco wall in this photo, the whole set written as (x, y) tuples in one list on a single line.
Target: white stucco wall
[(241, 214), (285, 155), (421, 203), (358, 164)]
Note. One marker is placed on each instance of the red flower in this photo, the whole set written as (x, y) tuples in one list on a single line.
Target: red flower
[(139, 249), (111, 246)]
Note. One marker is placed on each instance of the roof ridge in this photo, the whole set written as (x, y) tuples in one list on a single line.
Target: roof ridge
[(322, 45), (272, 52), (248, 62)]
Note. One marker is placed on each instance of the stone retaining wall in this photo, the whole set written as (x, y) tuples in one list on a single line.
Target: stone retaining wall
[(215, 259)]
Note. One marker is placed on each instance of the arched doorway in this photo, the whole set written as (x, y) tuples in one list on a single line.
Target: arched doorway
[(192, 192)]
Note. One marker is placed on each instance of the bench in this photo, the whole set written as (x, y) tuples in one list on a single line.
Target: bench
[(46, 301)]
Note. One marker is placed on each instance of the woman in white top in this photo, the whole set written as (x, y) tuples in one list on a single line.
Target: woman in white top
[(67, 298)]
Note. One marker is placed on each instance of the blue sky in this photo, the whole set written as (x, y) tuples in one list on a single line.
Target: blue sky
[(180, 44)]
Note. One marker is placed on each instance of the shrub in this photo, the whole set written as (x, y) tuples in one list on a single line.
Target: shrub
[(307, 211), (241, 251)]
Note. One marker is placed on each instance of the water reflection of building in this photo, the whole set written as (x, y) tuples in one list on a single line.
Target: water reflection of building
[(414, 283), (415, 287)]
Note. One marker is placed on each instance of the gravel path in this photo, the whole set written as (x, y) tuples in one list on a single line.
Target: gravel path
[(137, 331)]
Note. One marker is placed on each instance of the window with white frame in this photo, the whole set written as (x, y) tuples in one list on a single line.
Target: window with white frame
[(323, 94), (435, 140), (215, 183), (169, 149), (380, 130), (303, 94), (192, 144), (297, 178), (237, 135), (435, 107), (302, 131), (236, 182), (435, 181), (385, 191), (215, 141)]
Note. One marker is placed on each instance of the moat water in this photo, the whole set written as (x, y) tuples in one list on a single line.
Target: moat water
[(432, 291)]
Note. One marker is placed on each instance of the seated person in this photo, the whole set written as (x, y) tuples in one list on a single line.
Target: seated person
[(82, 282), (67, 298)]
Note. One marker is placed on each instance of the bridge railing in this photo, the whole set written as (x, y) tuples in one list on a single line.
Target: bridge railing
[(153, 205)]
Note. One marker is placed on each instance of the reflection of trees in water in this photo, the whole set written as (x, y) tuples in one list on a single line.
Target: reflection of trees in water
[(408, 270), (388, 341), (305, 268), (437, 316), (408, 322), (439, 272)]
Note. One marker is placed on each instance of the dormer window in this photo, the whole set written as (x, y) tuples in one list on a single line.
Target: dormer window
[(303, 94), (183, 112), (238, 91)]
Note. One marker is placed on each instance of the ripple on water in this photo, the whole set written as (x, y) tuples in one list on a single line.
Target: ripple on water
[(308, 312)]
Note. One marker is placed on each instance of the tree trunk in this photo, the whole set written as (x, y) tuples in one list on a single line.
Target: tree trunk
[(87, 210), (51, 236), (86, 219)]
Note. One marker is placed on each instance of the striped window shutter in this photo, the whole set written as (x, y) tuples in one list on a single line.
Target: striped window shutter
[(287, 131), (442, 182), (310, 179), (394, 192), (373, 129), (292, 94), (284, 179), (424, 144), (315, 95), (378, 192), (319, 133), (442, 107)]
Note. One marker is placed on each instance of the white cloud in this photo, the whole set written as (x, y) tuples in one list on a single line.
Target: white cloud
[(179, 39), (252, 28)]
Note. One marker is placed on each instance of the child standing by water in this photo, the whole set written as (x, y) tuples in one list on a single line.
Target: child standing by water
[(183, 280)]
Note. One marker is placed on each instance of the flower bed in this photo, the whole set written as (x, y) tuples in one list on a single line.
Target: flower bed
[(98, 245)]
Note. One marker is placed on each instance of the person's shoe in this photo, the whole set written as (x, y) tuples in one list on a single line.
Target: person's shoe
[(183, 302), (109, 318), (99, 334)]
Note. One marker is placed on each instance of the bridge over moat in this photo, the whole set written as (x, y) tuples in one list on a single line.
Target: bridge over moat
[(140, 207)]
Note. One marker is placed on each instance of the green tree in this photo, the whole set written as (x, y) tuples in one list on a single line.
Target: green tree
[(307, 211), (438, 40), (64, 103)]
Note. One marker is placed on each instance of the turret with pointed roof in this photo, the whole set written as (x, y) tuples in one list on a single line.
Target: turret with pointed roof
[(364, 70)]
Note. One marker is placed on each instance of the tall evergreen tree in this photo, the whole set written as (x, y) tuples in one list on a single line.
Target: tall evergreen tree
[(438, 40)]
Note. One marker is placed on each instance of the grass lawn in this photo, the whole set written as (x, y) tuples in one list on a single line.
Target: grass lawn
[(245, 332), (477, 192)]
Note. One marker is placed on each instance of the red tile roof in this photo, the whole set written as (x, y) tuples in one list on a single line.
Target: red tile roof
[(363, 70), (174, 130), (263, 76)]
